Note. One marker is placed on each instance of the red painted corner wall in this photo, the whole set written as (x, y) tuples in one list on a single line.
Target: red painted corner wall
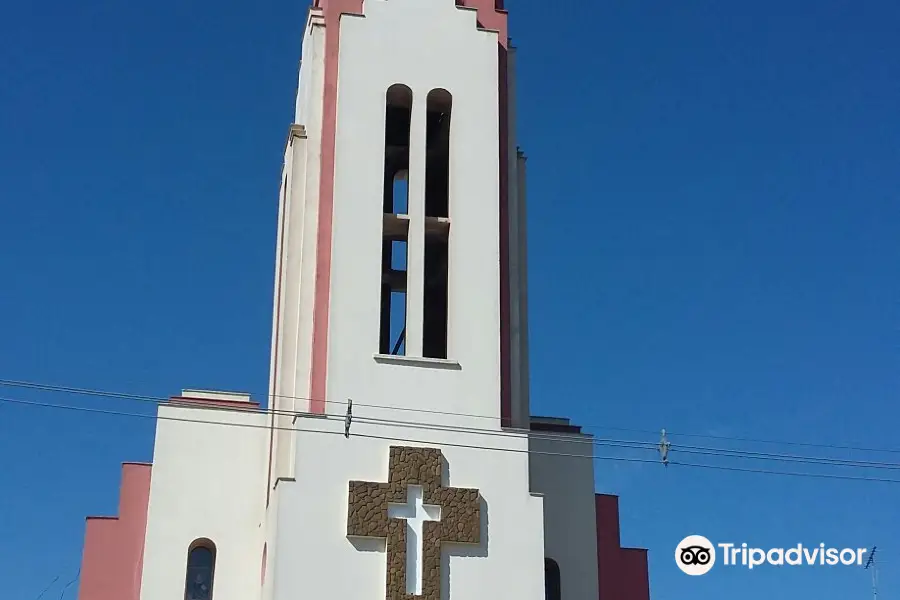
[(622, 572), (113, 558)]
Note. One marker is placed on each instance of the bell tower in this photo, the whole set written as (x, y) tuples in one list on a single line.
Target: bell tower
[(400, 275)]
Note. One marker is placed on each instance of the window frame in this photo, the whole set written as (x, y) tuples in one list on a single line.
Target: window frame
[(201, 544)]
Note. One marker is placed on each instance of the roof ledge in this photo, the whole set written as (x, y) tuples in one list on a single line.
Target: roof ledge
[(236, 400), (554, 424)]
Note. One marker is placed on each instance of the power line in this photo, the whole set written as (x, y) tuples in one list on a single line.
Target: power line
[(622, 443), (46, 589), (300, 430), (824, 460), (790, 443), (673, 448), (272, 410), (66, 588), (538, 435), (786, 473), (159, 401), (534, 435)]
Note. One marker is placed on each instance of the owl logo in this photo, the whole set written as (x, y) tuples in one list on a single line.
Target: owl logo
[(695, 555)]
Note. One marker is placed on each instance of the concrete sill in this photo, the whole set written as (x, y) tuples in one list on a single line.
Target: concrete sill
[(418, 361), (309, 415), (283, 480)]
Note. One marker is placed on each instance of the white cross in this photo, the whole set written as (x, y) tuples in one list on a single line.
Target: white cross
[(415, 512)]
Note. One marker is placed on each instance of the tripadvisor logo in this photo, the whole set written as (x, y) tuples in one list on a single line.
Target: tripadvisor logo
[(696, 555)]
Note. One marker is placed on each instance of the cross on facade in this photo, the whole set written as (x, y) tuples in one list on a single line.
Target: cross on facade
[(416, 513), (441, 515)]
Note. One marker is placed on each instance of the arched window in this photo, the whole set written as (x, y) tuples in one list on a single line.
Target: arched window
[(398, 115), (437, 223), (201, 567), (552, 583), (395, 221)]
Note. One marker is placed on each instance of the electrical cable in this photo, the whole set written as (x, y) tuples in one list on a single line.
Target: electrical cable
[(625, 443), (46, 589), (635, 444), (158, 400), (68, 585), (824, 460), (786, 473), (299, 430), (281, 412)]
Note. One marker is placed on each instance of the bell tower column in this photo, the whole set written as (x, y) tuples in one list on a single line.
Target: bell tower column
[(400, 257), (400, 286)]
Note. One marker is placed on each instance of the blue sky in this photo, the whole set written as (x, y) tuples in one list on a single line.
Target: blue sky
[(714, 212)]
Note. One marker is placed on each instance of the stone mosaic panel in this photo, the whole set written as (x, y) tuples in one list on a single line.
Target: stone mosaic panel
[(368, 517)]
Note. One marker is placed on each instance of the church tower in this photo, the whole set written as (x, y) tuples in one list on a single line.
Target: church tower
[(396, 458), (400, 277)]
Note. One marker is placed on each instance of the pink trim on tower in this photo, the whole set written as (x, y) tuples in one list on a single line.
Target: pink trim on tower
[(333, 10), (622, 573), (491, 15), (113, 558)]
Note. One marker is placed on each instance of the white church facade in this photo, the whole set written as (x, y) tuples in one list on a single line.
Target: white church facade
[(396, 457)]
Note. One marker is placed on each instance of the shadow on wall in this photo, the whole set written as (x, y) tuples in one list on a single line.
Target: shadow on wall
[(368, 544), (448, 550), (479, 551)]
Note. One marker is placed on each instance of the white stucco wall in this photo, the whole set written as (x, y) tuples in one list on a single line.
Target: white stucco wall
[(309, 75), (296, 249), (424, 45), (567, 485), (207, 482), (271, 542), (315, 556), (304, 190)]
